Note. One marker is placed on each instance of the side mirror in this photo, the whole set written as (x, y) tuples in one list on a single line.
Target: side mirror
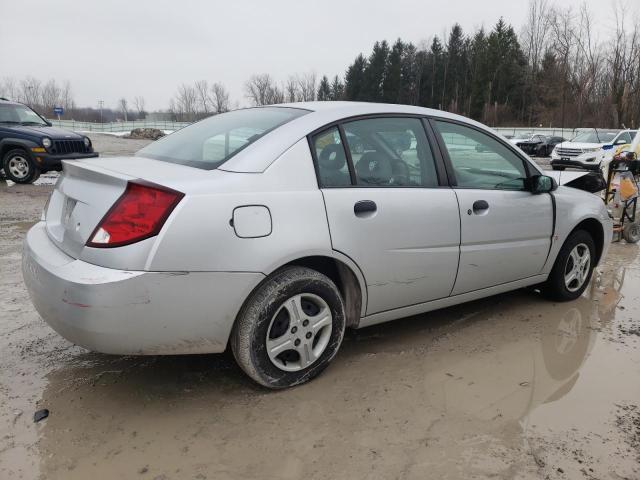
[(541, 184)]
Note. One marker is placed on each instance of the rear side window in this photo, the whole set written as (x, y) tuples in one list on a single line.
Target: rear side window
[(391, 152), (333, 170), (211, 142)]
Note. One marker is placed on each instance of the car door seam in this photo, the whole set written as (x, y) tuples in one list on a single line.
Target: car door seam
[(455, 280)]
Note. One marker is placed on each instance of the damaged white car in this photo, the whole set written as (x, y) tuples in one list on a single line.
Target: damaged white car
[(270, 230)]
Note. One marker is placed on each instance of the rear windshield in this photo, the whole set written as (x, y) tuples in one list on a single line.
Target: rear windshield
[(214, 140)]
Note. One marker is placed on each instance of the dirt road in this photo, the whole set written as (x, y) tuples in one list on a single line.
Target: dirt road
[(508, 387)]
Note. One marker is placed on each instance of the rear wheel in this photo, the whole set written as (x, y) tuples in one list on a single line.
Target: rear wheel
[(290, 328), (573, 268), (19, 166), (631, 232)]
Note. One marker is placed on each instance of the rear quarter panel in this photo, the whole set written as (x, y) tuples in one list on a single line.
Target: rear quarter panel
[(201, 237)]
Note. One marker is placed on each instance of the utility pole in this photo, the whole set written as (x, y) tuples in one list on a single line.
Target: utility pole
[(100, 104)]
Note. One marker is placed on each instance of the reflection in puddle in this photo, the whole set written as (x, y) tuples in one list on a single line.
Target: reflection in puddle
[(429, 395)]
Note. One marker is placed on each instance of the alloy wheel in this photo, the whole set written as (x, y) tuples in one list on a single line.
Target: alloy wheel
[(299, 332), (576, 270)]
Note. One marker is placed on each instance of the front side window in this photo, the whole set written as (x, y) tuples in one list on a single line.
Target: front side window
[(481, 161), (623, 138), (390, 152), (211, 142)]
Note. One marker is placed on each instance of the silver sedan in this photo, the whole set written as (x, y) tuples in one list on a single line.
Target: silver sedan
[(272, 229)]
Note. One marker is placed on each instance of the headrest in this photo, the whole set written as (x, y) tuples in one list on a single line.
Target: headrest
[(332, 157), (374, 168)]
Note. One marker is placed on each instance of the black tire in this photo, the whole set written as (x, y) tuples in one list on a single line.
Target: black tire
[(631, 232), (555, 287), (252, 328), (561, 169), (23, 159)]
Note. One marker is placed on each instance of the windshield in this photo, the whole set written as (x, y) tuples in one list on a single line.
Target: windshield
[(20, 115), (593, 136), (214, 140)]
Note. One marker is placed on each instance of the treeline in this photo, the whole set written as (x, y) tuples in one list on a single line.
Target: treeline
[(41, 96), (554, 73)]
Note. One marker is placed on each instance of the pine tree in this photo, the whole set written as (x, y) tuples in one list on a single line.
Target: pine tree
[(374, 73), (410, 71), (337, 89), (392, 82), (354, 81), (324, 90)]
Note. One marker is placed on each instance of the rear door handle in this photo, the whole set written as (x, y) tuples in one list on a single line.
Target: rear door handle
[(364, 207), (479, 206)]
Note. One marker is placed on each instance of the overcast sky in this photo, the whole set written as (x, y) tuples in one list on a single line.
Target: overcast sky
[(113, 48)]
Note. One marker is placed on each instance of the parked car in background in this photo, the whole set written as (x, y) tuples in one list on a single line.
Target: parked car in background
[(589, 148), (538, 145), (30, 145), (318, 217)]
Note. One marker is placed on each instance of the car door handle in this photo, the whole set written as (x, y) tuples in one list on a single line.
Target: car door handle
[(364, 208), (479, 206)]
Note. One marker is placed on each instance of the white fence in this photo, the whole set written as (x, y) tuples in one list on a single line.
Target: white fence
[(523, 132), (118, 127)]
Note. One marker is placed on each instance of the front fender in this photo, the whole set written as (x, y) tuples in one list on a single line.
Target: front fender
[(572, 208), (10, 143)]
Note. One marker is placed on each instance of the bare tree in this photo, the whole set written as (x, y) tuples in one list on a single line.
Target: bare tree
[(186, 102), (262, 90), (50, 96), (30, 91), (202, 93), (9, 88), (291, 89), (219, 98), (535, 41), (123, 107), (307, 86), (66, 97), (139, 103)]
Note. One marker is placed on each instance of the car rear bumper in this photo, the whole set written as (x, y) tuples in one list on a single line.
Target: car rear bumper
[(132, 312), (576, 164), (46, 161)]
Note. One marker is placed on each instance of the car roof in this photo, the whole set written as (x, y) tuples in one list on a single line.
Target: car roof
[(6, 101), (259, 155)]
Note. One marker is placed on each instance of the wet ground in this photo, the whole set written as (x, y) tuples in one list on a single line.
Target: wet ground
[(512, 386)]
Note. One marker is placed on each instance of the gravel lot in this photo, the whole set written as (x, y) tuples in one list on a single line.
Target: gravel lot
[(508, 387)]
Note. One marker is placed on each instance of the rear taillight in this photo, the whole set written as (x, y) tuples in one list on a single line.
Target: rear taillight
[(139, 213)]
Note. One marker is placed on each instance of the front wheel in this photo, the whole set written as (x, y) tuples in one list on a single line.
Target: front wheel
[(573, 268), (19, 167), (290, 328)]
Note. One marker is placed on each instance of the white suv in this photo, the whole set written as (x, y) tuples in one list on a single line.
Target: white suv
[(589, 148)]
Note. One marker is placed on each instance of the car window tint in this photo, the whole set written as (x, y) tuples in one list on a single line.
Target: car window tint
[(332, 160), (624, 138), (391, 152), (211, 142), (479, 160)]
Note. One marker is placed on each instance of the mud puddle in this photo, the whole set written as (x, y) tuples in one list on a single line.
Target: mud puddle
[(510, 387)]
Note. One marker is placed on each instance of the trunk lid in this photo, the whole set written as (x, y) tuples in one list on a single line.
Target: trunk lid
[(87, 189)]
